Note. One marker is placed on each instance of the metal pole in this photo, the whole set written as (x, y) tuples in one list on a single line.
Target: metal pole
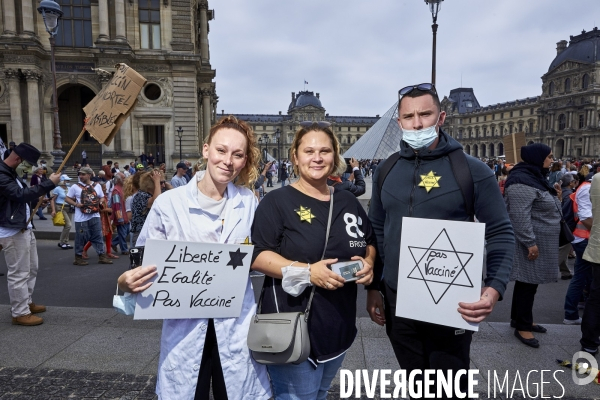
[(180, 158), (57, 144), (434, 29)]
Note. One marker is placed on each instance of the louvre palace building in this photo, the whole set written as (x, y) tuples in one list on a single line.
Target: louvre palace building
[(276, 131), (164, 40), (565, 116)]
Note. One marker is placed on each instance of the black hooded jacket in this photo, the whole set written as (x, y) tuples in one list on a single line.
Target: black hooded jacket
[(13, 199), (402, 197)]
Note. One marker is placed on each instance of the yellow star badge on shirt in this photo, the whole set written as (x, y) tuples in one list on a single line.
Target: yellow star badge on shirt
[(305, 214), (247, 241), (430, 181)]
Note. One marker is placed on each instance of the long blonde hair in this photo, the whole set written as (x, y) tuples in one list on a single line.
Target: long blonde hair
[(249, 174)]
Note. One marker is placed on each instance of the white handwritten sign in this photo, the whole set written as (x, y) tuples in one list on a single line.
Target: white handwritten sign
[(194, 280), (440, 265), (112, 105)]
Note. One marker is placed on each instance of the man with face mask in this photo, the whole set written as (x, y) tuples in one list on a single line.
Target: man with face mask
[(425, 149), (16, 236)]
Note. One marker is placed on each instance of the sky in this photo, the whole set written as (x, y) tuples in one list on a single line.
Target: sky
[(358, 54)]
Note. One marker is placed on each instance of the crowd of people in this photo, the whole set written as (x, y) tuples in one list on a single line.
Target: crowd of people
[(313, 221)]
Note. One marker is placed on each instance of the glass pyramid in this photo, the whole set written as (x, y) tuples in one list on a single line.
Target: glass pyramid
[(380, 141)]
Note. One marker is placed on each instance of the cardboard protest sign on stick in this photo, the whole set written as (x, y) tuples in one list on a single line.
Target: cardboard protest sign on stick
[(112, 105), (512, 147)]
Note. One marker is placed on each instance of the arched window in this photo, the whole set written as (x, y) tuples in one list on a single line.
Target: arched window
[(585, 82), (567, 85), (562, 122), (551, 89), (75, 26)]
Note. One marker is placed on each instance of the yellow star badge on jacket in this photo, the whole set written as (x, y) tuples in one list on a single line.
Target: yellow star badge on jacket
[(305, 214), (430, 181)]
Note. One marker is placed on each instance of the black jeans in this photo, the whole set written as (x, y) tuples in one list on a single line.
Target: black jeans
[(521, 310), (210, 367), (422, 345), (590, 324)]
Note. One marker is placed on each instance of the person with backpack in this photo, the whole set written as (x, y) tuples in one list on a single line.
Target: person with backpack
[(568, 184), (582, 276), (86, 197), (466, 189)]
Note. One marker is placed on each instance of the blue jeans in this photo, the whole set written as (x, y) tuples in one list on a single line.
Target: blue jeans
[(89, 231), (283, 182), (121, 237), (581, 279), (303, 381)]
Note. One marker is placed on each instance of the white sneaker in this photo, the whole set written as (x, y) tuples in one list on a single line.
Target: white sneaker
[(572, 321)]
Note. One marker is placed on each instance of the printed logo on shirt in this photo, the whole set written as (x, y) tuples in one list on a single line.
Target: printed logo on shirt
[(352, 229)]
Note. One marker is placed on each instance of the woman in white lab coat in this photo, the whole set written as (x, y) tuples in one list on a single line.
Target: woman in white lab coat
[(210, 208)]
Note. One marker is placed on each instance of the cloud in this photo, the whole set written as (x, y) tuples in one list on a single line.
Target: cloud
[(357, 54)]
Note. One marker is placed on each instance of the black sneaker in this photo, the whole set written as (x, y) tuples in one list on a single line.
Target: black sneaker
[(590, 351)]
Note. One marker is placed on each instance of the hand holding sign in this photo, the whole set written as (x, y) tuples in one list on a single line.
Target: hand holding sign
[(137, 280)]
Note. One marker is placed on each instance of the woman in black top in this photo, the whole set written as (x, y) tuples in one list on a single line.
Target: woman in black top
[(289, 228)]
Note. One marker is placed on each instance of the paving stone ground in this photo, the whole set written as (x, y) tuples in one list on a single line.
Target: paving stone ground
[(50, 384)]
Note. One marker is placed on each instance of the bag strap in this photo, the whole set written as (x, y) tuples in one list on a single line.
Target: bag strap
[(312, 292), (462, 174), (385, 169)]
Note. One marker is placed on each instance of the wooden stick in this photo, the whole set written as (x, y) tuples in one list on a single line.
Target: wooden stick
[(57, 172)]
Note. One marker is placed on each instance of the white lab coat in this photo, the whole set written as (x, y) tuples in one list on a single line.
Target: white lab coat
[(176, 215)]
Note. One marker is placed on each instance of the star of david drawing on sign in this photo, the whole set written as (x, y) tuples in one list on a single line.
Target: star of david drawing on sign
[(235, 258), (440, 266)]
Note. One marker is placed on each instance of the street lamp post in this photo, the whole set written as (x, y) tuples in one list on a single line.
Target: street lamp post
[(278, 136), (434, 7), (51, 13), (180, 135), (260, 148), (265, 138)]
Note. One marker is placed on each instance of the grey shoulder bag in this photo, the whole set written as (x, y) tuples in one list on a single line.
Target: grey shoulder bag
[(282, 338)]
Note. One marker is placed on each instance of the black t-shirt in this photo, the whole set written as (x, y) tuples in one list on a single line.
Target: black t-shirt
[(278, 227)]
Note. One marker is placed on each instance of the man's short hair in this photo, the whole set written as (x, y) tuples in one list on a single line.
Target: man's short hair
[(418, 93), (109, 162)]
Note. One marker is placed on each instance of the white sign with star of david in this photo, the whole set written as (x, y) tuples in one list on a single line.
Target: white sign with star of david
[(194, 280), (441, 265)]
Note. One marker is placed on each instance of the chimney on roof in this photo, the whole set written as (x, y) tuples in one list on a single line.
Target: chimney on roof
[(222, 112), (279, 112), (327, 115), (561, 46), (317, 95), (377, 116), (293, 96)]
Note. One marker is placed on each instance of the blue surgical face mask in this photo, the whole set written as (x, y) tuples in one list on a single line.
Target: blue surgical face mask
[(422, 138)]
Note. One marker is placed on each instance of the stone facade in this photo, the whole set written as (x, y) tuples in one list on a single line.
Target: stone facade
[(305, 106), (171, 52), (565, 116)]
